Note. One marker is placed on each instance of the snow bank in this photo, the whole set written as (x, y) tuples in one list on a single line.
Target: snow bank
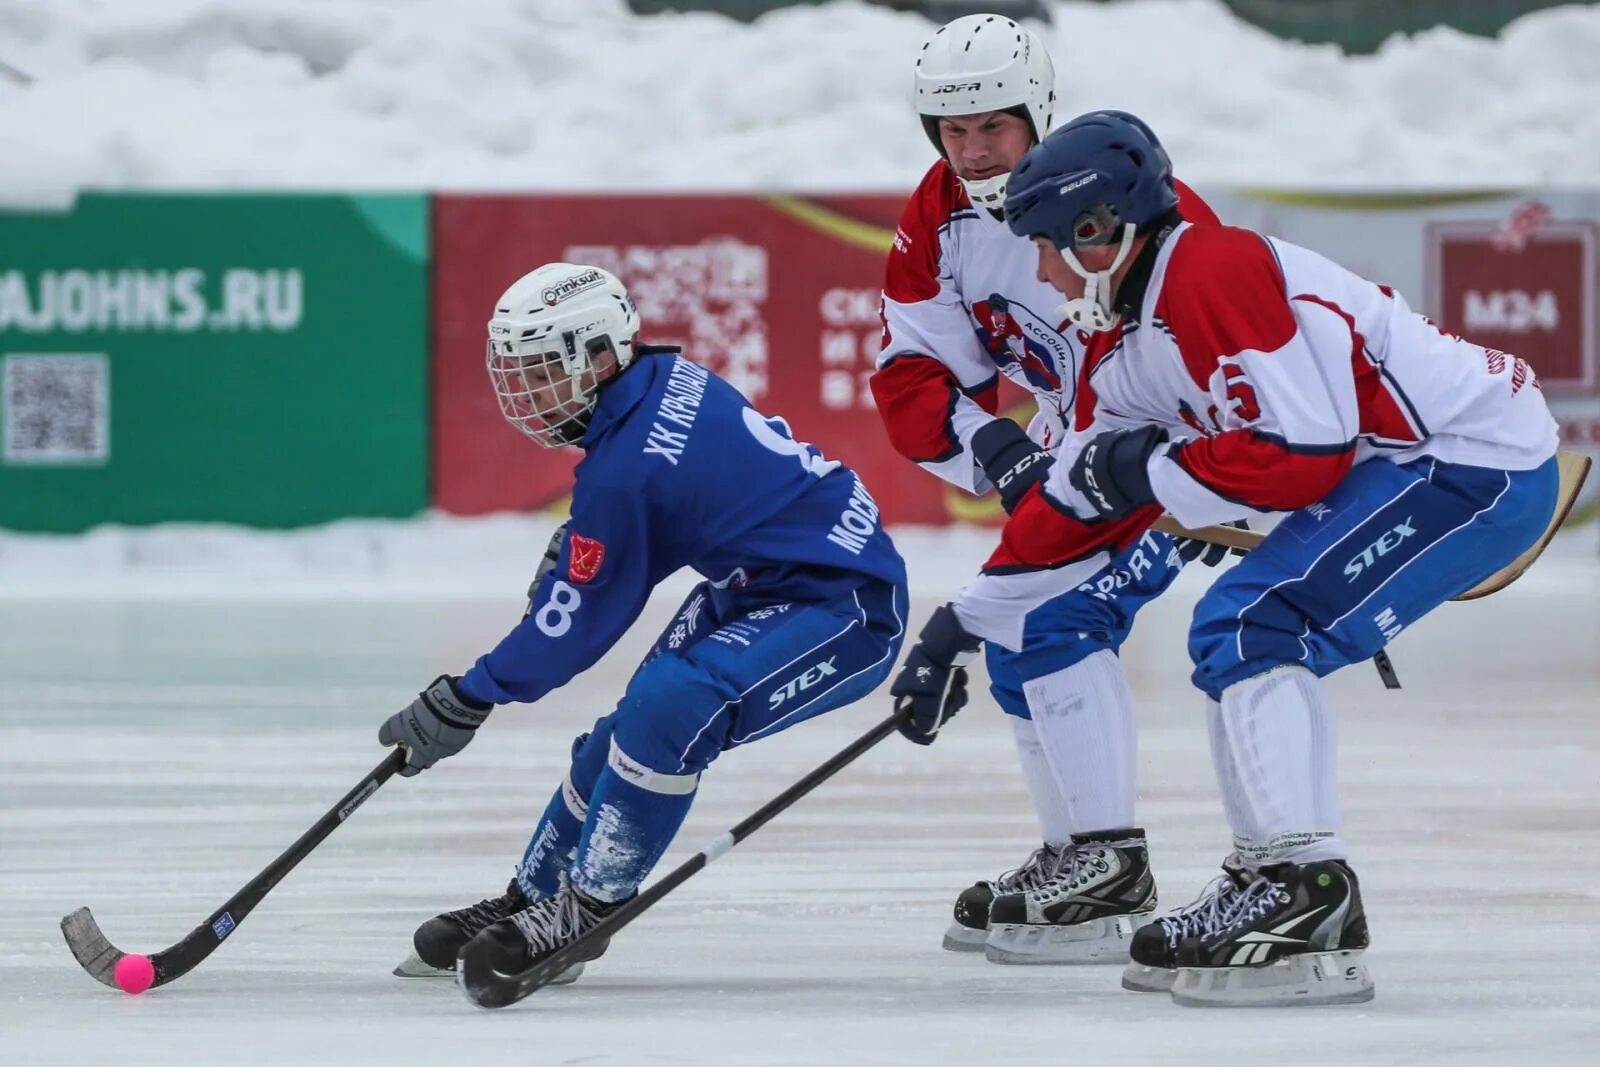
[(554, 94), (442, 556)]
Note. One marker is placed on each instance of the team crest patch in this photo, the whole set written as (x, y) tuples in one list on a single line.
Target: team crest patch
[(584, 562)]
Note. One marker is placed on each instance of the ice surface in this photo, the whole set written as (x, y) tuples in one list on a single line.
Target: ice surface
[(164, 733), (560, 94)]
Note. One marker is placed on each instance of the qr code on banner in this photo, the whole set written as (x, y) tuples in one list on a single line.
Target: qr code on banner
[(56, 407)]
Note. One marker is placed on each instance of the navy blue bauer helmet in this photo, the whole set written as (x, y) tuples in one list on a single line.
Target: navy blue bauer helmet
[(1098, 180)]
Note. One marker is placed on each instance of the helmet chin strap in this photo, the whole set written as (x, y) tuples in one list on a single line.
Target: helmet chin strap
[(1092, 311), (987, 192)]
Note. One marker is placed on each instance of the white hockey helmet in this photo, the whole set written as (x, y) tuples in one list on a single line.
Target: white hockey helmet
[(982, 63), (547, 329)]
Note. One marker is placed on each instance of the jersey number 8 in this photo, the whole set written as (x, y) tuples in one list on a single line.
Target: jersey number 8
[(555, 617)]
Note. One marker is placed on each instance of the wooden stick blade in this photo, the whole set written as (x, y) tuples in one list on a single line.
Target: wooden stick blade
[(1573, 469)]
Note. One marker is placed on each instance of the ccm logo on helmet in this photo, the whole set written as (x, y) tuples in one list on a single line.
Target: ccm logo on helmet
[(963, 87), (554, 294)]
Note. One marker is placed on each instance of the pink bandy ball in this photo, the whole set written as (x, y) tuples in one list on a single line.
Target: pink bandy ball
[(134, 974)]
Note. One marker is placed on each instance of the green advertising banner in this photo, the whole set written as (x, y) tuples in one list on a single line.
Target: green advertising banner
[(256, 359)]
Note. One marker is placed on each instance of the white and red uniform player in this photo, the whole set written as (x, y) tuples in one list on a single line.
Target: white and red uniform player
[(961, 307), (1246, 375)]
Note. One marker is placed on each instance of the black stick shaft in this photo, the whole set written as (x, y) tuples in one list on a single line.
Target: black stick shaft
[(244, 901), (570, 953), (99, 957)]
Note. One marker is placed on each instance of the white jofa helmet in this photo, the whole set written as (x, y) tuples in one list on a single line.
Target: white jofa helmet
[(547, 329), (981, 63)]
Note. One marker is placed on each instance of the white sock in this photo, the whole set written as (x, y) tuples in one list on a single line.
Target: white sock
[(1280, 735), (1048, 805), (1246, 834), (1084, 719)]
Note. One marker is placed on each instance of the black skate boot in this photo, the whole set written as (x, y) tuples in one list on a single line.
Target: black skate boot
[(1086, 913), (1295, 936), (510, 946), (970, 928), (437, 941), (1154, 948)]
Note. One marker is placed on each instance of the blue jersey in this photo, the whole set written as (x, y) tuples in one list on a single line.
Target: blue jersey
[(680, 471)]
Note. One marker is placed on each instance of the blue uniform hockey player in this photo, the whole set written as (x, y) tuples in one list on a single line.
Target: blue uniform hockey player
[(802, 609)]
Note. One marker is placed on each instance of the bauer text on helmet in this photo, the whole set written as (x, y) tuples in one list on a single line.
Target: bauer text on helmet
[(558, 334), (978, 65)]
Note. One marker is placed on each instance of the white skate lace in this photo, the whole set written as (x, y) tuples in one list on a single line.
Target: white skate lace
[(1250, 903), (552, 921), (1079, 867), (1211, 911), (1035, 870)]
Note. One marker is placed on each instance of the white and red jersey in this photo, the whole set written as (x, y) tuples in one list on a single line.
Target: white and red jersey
[(1275, 370), (961, 306)]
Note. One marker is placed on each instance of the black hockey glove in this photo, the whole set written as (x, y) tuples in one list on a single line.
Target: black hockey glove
[(1111, 470), (1011, 459), (932, 685), (1192, 548), (437, 724), (552, 552)]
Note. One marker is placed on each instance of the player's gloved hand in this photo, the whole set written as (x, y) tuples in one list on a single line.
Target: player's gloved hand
[(437, 724), (1192, 548), (552, 552), (932, 685), (1011, 459), (1111, 470)]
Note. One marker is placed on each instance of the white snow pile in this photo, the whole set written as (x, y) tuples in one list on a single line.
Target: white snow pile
[(581, 94), (444, 556), (434, 555)]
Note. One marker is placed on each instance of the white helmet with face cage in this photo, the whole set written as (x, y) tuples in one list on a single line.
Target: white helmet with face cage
[(547, 330), (982, 63)]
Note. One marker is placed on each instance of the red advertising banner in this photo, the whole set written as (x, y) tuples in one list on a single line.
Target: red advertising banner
[(1525, 286), (779, 295)]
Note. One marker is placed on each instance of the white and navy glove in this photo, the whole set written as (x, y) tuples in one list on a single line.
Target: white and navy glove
[(1112, 471), (552, 552), (439, 723), (1012, 460), (932, 685)]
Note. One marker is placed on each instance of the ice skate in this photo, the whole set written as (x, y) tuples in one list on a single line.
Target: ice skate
[(969, 929), (438, 941), (1154, 949), (1086, 913), (512, 945), (1296, 935)]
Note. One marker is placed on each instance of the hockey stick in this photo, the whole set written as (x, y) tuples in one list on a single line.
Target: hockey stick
[(99, 956), (488, 988), (1570, 466)]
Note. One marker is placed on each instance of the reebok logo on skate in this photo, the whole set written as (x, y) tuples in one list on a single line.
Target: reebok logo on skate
[(1254, 945), (1379, 548), (801, 682)]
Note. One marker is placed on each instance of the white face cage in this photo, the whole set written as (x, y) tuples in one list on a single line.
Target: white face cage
[(547, 386)]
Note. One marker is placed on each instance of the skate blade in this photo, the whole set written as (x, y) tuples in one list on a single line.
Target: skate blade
[(1142, 978), (413, 967), (960, 938), (1094, 942), (1305, 979)]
